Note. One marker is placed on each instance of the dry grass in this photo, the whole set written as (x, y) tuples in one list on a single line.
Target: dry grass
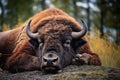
[(108, 51)]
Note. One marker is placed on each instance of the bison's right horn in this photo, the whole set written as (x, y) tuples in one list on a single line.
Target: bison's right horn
[(80, 33), (30, 34)]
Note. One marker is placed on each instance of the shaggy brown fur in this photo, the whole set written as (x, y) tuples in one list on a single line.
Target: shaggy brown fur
[(15, 43)]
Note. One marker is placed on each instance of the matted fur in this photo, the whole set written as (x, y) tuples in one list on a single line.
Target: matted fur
[(15, 43)]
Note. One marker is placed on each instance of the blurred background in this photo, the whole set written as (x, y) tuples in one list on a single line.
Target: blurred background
[(102, 17)]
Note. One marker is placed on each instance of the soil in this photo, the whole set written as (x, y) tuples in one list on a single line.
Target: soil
[(71, 72)]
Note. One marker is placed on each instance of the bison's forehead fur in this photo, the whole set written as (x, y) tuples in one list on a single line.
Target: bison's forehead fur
[(54, 29), (52, 33)]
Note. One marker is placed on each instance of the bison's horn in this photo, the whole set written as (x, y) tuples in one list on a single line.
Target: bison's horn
[(30, 34), (82, 32)]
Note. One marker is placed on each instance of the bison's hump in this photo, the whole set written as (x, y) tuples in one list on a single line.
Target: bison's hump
[(53, 14)]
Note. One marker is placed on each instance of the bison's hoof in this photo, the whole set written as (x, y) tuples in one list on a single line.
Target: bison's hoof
[(81, 59)]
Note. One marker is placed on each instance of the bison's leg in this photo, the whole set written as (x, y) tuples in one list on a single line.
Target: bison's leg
[(94, 60), (87, 56), (22, 62)]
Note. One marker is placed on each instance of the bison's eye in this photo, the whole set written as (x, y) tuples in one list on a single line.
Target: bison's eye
[(40, 44), (40, 41), (67, 43)]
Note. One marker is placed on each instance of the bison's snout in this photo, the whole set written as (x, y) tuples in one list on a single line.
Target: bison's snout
[(51, 62)]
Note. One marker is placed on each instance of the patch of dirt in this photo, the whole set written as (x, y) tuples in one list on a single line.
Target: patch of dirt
[(69, 73)]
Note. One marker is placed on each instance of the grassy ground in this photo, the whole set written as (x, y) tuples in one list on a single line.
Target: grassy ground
[(108, 51), (72, 72)]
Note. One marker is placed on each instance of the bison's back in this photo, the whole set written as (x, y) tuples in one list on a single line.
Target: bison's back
[(8, 40)]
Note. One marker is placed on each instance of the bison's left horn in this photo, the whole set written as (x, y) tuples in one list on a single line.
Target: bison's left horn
[(82, 32), (30, 34)]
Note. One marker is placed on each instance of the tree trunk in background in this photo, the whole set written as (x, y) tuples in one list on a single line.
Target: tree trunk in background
[(42, 3), (88, 15), (75, 9), (102, 23), (2, 16), (117, 40)]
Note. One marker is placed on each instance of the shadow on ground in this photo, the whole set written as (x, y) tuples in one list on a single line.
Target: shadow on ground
[(68, 73)]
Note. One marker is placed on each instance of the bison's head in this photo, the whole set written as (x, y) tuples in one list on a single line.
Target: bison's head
[(54, 44)]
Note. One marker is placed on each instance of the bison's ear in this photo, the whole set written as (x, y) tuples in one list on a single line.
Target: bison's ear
[(34, 42), (78, 43)]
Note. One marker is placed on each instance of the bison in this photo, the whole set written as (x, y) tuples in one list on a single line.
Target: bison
[(48, 41)]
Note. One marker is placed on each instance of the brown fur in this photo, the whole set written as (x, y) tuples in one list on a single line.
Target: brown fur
[(15, 43)]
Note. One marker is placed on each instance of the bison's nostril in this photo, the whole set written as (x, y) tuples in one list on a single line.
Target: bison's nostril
[(50, 61), (54, 60), (45, 60)]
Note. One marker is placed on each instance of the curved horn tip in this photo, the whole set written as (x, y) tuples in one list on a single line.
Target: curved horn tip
[(83, 22), (29, 22), (30, 34), (28, 25), (82, 32)]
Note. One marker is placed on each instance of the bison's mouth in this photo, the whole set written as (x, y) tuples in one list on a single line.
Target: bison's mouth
[(50, 69)]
